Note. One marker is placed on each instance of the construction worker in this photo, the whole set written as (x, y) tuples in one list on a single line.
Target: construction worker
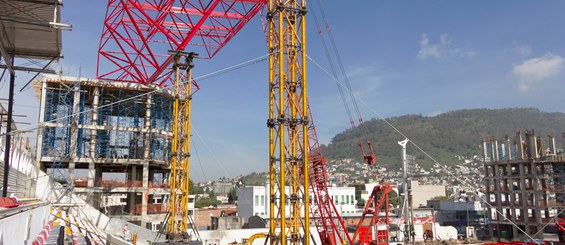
[(125, 230)]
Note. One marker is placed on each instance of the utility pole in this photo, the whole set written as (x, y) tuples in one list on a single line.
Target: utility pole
[(8, 129), (408, 220)]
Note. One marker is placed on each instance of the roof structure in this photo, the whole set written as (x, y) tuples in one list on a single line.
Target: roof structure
[(30, 29)]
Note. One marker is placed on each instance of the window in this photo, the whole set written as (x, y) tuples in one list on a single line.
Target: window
[(347, 199), (262, 200), (352, 199), (256, 200)]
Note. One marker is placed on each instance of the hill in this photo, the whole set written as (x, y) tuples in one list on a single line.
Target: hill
[(444, 137)]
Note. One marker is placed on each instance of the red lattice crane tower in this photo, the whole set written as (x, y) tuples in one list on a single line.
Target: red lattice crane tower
[(138, 35), (144, 41)]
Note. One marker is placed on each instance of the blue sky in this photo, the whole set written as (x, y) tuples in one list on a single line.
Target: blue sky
[(402, 57)]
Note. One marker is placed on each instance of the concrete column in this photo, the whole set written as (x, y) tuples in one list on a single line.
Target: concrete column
[(147, 128), (133, 175), (39, 144), (94, 122), (145, 185), (519, 145), (74, 141), (97, 174), (531, 143), (91, 173), (508, 149), (485, 152), (552, 147), (495, 150)]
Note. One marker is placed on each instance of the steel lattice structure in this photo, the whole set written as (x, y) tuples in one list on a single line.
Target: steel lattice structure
[(288, 123), (138, 35), (331, 227)]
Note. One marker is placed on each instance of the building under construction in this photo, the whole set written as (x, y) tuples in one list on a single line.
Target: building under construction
[(524, 182), (110, 142)]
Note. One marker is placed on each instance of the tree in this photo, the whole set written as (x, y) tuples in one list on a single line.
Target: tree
[(206, 202), (393, 198), (232, 196), (192, 189)]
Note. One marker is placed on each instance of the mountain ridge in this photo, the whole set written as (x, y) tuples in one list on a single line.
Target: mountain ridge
[(447, 137)]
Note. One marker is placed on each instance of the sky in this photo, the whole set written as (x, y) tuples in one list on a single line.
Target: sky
[(401, 57)]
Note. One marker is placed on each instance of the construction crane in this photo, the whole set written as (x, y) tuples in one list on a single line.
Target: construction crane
[(296, 160), (144, 42), (288, 123), (369, 157)]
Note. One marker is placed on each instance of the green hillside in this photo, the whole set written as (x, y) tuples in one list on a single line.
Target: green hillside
[(445, 136)]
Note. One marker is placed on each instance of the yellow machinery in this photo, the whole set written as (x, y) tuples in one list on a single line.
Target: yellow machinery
[(177, 223), (288, 123)]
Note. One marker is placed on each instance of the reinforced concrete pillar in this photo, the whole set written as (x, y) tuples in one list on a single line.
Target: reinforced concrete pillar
[(145, 185), (552, 147), (94, 122), (74, 134), (133, 175), (508, 149), (147, 128), (519, 145), (532, 144), (495, 150), (39, 144), (91, 173), (485, 152)]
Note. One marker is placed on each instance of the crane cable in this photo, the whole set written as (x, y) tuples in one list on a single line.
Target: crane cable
[(200, 78), (330, 60), (340, 63), (369, 159), (450, 173)]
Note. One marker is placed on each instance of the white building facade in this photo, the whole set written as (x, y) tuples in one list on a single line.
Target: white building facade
[(254, 200)]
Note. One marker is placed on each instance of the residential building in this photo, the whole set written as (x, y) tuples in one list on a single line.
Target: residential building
[(254, 200)]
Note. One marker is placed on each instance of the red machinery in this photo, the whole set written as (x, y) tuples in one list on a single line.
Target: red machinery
[(329, 223), (376, 231), (135, 47), (561, 226), (138, 35)]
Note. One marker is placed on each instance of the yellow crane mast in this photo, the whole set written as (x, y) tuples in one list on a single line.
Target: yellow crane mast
[(288, 123), (177, 223)]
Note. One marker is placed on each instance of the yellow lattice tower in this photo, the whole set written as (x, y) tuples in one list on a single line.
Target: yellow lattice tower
[(288, 123), (177, 223)]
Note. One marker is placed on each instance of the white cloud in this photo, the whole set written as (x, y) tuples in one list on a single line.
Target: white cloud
[(523, 49), (364, 80), (444, 48), (536, 70)]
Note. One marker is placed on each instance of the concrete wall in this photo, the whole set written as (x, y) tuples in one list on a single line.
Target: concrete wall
[(24, 226), (440, 232), (422, 193), (244, 202), (254, 200), (346, 203)]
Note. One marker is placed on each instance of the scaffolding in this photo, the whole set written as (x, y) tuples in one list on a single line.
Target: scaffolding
[(117, 134)]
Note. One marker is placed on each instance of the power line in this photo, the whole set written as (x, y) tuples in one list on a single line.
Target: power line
[(425, 153), (207, 76)]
